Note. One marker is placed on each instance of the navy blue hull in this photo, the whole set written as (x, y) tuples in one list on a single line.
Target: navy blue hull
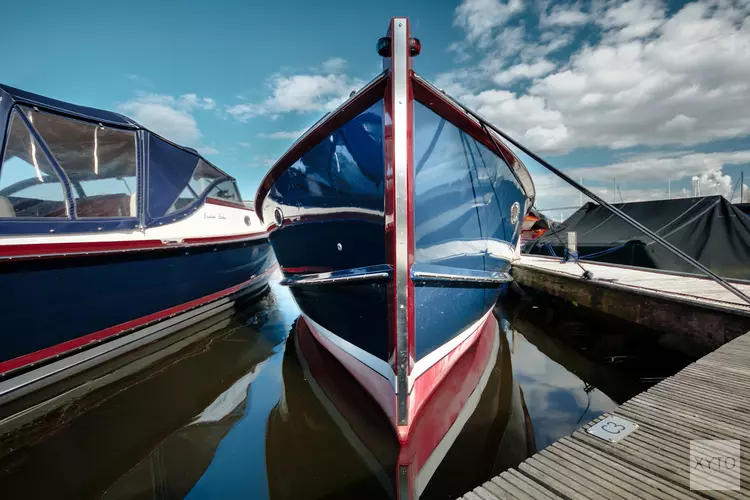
[(329, 215), (53, 300)]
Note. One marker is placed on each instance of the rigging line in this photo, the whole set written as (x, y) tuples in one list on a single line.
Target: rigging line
[(678, 217), (700, 214), (734, 190), (587, 389), (657, 231), (586, 272), (721, 281)]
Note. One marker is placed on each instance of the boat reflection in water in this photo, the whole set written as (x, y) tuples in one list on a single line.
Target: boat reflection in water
[(325, 421)]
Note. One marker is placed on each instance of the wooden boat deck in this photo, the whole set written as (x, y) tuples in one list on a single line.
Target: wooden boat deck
[(709, 399)]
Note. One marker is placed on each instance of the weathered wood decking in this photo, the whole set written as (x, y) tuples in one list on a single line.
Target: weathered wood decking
[(695, 307), (710, 399)]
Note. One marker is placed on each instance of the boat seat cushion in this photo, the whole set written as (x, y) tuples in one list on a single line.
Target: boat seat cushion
[(6, 207)]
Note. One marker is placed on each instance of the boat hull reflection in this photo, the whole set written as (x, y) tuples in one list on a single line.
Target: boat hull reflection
[(331, 423)]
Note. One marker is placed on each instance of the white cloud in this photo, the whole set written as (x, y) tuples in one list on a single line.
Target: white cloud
[(334, 65), (633, 19), (283, 134), (564, 15), (481, 18), (245, 144), (193, 101), (659, 167), (299, 94), (525, 117), (644, 177), (523, 71), (650, 80), (208, 150), (171, 117), (263, 161)]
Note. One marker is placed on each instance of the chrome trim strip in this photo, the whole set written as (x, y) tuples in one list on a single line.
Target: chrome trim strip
[(356, 275), (400, 82), (425, 273), (403, 483), (437, 455)]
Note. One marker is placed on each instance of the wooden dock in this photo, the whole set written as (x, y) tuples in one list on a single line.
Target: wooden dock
[(709, 399), (708, 313)]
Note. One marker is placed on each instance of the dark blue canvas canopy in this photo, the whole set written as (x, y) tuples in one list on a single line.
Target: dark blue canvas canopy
[(172, 180), (105, 117)]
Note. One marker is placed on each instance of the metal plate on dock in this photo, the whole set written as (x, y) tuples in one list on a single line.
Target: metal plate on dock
[(612, 428)]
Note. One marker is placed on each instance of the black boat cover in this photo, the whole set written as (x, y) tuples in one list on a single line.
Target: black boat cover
[(709, 229)]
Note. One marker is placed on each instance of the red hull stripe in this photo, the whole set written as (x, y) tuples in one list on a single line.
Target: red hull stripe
[(89, 248), (55, 350), (306, 269), (458, 117), (426, 384), (444, 405), (351, 108), (213, 201)]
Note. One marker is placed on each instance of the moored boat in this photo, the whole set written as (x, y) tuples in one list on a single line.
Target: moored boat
[(395, 220), (106, 227)]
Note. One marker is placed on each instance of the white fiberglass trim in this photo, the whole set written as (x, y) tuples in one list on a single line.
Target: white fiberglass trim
[(373, 362), (208, 221), (432, 463), (441, 251), (230, 399), (341, 422), (425, 363)]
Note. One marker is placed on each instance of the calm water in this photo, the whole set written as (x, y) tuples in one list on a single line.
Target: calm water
[(237, 415)]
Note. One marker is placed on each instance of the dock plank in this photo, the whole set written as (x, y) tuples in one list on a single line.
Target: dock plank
[(709, 399)]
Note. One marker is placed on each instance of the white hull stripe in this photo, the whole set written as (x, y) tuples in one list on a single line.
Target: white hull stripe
[(383, 368), (438, 454), (428, 361)]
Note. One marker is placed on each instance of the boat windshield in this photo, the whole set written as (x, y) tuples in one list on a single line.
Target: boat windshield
[(99, 162)]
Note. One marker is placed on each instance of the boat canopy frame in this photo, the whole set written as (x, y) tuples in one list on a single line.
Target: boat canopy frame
[(163, 170)]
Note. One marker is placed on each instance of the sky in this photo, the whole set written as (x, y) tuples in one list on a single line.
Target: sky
[(638, 99)]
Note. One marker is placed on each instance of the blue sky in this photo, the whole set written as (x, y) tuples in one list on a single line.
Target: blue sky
[(638, 91)]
